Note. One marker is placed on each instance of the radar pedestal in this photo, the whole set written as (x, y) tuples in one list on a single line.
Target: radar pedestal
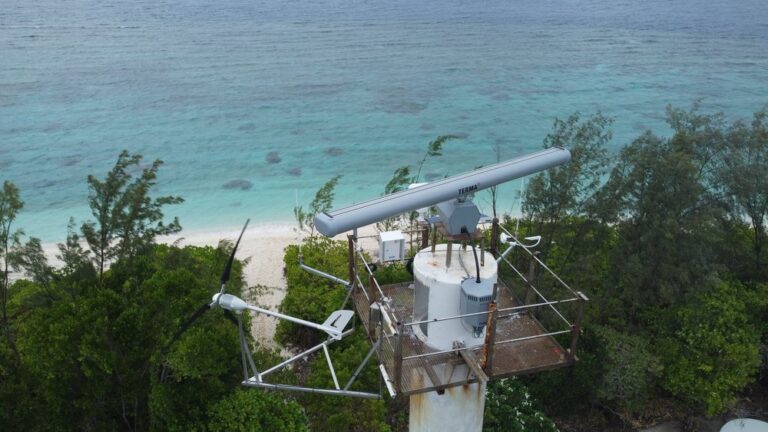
[(431, 334), (458, 409), (445, 286)]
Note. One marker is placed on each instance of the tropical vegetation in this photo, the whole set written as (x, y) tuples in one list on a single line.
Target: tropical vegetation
[(666, 236)]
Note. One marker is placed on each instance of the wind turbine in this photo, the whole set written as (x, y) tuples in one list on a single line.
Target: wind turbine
[(334, 327)]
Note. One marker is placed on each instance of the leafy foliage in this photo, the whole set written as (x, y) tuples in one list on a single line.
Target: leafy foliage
[(510, 407), (353, 415), (310, 297), (402, 178), (631, 370), (253, 411), (741, 174), (314, 298), (392, 273), (399, 181), (434, 149), (127, 218), (115, 334), (322, 202), (91, 346), (713, 351), (10, 205), (651, 243), (567, 391), (667, 210), (569, 190)]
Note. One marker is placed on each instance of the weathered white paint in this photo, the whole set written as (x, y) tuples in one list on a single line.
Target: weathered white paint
[(444, 293), (745, 425), (458, 409)]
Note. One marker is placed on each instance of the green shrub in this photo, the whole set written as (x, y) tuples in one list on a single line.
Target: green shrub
[(713, 351), (509, 407), (308, 296), (630, 370), (256, 410)]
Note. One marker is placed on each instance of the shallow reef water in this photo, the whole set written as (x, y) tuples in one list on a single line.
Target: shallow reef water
[(260, 102)]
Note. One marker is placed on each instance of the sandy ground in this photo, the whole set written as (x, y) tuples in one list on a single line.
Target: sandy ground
[(263, 246)]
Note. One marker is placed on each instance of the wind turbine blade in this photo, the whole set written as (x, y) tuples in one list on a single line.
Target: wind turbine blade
[(228, 267), (230, 316), (203, 309)]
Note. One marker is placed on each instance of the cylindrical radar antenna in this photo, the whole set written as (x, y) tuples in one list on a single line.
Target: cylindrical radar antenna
[(375, 210)]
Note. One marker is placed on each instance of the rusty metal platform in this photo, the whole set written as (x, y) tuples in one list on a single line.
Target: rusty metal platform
[(533, 313), (520, 344)]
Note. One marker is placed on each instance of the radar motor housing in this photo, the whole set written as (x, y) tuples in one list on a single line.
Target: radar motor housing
[(457, 214)]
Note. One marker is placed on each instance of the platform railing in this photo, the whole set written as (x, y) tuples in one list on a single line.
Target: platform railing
[(401, 350)]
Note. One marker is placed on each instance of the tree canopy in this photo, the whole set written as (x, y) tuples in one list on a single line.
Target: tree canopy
[(666, 235)]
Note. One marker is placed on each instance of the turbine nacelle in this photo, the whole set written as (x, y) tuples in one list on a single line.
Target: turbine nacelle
[(229, 302)]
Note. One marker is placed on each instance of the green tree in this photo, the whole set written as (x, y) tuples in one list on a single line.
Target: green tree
[(569, 189), (254, 411), (10, 205), (562, 201), (77, 264), (631, 369), (92, 344), (712, 350), (93, 361), (741, 172), (402, 178), (31, 258), (307, 296), (434, 149), (127, 218), (322, 202), (509, 406), (666, 212)]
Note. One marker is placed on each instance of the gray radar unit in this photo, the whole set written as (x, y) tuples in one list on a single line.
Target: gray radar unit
[(458, 186)]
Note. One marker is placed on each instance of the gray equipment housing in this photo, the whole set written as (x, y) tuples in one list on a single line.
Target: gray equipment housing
[(475, 297), (456, 214), (368, 212)]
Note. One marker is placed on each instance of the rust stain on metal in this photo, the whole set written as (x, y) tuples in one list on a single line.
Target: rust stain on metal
[(419, 379), (505, 359), (488, 336), (419, 411)]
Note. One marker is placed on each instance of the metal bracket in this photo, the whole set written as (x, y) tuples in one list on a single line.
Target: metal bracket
[(334, 326)]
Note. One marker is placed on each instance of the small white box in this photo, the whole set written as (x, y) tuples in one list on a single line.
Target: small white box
[(391, 246)]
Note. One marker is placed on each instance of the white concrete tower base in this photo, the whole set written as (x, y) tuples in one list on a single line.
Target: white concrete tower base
[(458, 409), (437, 294)]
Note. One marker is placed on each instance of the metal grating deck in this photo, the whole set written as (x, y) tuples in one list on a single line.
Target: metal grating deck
[(436, 371)]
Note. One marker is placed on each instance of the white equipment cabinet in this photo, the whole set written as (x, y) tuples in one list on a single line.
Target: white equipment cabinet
[(391, 246)]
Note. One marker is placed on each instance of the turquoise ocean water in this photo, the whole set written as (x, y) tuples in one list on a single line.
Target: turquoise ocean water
[(354, 87)]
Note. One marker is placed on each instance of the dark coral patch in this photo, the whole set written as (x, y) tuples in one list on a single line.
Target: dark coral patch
[(238, 184), (273, 157), (334, 151)]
